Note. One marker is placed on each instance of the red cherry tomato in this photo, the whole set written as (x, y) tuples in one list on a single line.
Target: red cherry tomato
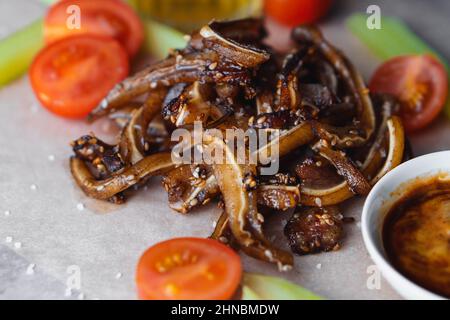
[(71, 76), (296, 12), (420, 82), (102, 17), (188, 268)]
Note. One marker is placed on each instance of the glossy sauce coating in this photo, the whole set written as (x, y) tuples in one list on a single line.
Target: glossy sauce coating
[(416, 235)]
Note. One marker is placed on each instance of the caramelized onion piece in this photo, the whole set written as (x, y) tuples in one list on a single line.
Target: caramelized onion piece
[(341, 192), (118, 182), (189, 68), (354, 83), (238, 188), (134, 141), (243, 55)]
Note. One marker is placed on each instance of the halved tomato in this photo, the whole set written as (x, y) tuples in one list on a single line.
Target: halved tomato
[(71, 76), (103, 17), (420, 82), (294, 12), (188, 269)]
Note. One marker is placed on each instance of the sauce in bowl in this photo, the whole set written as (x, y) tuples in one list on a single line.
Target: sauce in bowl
[(416, 234)]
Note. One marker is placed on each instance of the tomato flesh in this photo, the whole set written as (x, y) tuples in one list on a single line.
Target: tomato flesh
[(420, 83), (188, 268), (71, 76), (102, 17), (296, 12)]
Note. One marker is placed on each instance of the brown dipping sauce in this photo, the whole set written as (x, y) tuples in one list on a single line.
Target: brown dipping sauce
[(416, 235)]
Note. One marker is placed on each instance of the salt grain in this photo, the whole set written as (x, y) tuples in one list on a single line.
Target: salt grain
[(119, 275), (33, 187), (80, 206), (30, 269), (7, 213), (51, 158), (18, 245), (8, 239), (319, 266), (68, 292)]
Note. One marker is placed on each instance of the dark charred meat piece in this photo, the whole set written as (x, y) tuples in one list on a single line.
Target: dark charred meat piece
[(278, 197), (314, 230), (103, 159)]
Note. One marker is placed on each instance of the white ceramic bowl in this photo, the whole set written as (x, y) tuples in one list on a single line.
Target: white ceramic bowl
[(377, 205)]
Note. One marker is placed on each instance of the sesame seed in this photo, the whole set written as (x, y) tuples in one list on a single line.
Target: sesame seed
[(8, 239), (30, 269), (223, 239), (34, 108), (7, 213), (51, 158), (318, 202), (80, 206), (33, 187), (18, 245)]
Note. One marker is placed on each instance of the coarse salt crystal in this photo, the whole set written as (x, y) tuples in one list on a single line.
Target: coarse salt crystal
[(80, 206), (7, 213), (319, 266), (18, 245), (8, 239), (119, 275), (68, 292), (30, 269), (51, 158), (33, 187)]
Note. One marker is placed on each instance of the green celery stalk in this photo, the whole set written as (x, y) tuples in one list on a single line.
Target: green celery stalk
[(393, 39), (160, 38), (260, 287), (18, 50)]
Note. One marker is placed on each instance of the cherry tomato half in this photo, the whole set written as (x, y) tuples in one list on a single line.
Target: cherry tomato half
[(188, 268), (71, 76), (420, 82), (295, 12), (103, 17)]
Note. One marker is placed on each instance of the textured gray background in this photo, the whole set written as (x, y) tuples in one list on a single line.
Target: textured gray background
[(103, 239)]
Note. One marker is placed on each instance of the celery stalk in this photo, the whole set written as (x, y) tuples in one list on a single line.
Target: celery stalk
[(160, 38), (393, 39), (259, 287), (17, 51)]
